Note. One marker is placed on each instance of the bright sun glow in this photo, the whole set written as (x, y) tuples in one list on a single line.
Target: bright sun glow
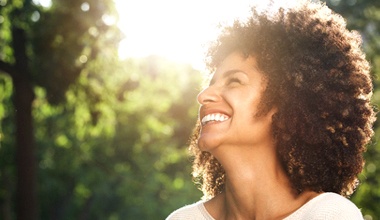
[(44, 3), (175, 29)]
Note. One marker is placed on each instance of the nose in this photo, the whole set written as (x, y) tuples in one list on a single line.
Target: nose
[(208, 95)]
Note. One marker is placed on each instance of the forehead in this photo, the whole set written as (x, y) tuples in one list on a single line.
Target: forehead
[(236, 62)]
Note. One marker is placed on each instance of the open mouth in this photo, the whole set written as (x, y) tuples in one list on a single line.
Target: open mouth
[(217, 117)]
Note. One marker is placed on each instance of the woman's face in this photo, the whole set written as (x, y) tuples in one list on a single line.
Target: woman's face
[(229, 106)]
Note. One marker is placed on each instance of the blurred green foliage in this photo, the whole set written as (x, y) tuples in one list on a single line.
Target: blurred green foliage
[(125, 157), (112, 136)]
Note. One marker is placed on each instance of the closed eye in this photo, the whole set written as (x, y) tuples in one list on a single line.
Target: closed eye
[(233, 80)]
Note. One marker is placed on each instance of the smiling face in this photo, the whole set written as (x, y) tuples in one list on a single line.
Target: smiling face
[(229, 106)]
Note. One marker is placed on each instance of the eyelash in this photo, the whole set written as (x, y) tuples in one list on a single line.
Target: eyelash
[(233, 80)]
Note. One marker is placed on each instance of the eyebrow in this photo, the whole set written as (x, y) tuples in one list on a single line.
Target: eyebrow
[(227, 73)]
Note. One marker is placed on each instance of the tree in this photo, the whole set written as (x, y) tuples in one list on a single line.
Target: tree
[(40, 48), (132, 162)]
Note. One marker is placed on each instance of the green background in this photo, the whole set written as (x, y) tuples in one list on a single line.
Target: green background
[(108, 138)]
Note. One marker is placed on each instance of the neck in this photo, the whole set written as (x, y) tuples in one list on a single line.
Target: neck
[(256, 187)]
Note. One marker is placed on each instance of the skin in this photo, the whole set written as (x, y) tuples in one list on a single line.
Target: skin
[(256, 185)]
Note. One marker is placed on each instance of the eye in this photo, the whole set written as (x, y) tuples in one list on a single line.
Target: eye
[(233, 80)]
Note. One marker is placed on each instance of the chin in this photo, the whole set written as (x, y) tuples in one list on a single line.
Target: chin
[(203, 147), (207, 145), (202, 144)]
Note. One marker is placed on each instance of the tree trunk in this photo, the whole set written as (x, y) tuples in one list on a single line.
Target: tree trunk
[(26, 198), (26, 193)]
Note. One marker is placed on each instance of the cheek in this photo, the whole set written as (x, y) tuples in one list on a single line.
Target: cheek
[(251, 106)]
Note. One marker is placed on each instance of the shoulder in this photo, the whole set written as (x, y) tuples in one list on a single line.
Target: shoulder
[(329, 206), (194, 211), (338, 207)]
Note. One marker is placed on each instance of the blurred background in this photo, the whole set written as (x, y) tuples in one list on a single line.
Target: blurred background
[(98, 99)]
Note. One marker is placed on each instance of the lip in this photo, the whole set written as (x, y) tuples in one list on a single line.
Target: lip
[(207, 111)]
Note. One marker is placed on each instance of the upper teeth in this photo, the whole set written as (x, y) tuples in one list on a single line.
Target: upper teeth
[(214, 117)]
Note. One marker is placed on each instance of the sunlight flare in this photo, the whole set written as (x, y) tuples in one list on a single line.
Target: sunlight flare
[(173, 29)]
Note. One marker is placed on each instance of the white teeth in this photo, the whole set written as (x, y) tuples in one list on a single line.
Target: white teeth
[(214, 117)]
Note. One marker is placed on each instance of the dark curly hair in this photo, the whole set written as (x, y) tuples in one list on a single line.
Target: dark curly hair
[(320, 83)]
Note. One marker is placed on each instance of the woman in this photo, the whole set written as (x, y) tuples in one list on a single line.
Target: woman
[(284, 121)]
